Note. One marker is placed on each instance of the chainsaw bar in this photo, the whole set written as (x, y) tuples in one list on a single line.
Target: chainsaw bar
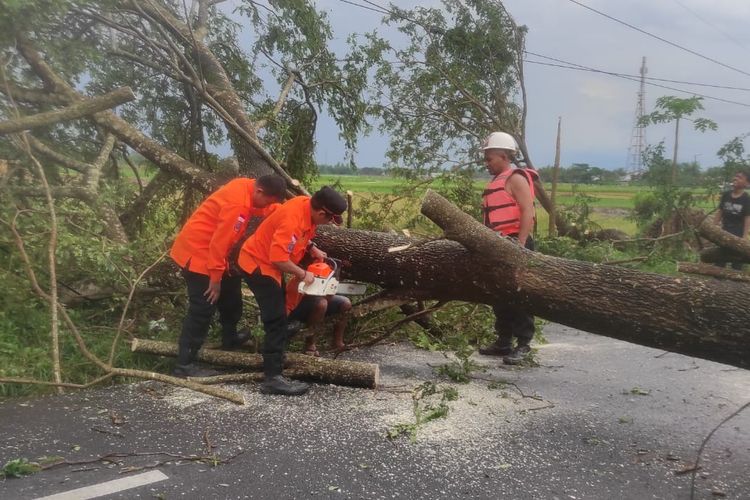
[(351, 288)]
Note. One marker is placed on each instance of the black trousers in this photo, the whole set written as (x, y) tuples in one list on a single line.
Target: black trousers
[(272, 303), (512, 322), (200, 312)]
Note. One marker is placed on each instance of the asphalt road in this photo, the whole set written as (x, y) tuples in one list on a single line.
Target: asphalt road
[(597, 419)]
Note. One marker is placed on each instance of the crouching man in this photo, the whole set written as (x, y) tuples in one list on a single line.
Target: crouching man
[(277, 247), (311, 310)]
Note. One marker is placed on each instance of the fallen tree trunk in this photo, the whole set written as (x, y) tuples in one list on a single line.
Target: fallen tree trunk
[(712, 271), (715, 255), (717, 235), (326, 371), (685, 315)]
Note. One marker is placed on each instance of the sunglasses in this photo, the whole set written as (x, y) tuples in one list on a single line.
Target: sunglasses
[(336, 218)]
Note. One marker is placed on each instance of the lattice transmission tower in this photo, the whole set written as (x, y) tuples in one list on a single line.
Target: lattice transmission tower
[(638, 136)]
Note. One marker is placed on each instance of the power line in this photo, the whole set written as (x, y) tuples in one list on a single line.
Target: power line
[(726, 87), (389, 11), (635, 79), (366, 7), (579, 67), (681, 47), (709, 85), (705, 21)]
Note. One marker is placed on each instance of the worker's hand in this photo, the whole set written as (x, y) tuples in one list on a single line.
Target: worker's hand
[(318, 254), (212, 292), (309, 278), (522, 243)]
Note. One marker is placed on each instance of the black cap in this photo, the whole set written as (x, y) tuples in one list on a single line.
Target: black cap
[(331, 201)]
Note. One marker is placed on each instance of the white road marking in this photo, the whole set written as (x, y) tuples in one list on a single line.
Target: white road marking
[(114, 486)]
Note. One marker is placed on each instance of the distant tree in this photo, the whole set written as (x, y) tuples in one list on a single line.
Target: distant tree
[(658, 168), (337, 169), (583, 173), (615, 175), (579, 173), (673, 109), (371, 171), (689, 174), (733, 155)]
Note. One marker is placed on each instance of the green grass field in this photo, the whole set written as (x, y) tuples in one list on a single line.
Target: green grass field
[(611, 203)]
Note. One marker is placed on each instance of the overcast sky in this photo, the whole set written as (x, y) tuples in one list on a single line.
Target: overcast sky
[(598, 110)]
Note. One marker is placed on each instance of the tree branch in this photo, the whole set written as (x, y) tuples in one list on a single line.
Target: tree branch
[(167, 160), (95, 171), (64, 160), (283, 95), (72, 112)]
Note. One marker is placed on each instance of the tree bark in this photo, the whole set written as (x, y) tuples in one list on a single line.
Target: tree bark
[(712, 271), (717, 235), (689, 316), (685, 315), (326, 371)]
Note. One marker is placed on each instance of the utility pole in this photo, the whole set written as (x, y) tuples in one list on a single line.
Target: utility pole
[(555, 177), (638, 135)]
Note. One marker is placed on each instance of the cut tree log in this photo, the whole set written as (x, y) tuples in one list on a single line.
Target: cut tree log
[(712, 271), (321, 370), (690, 316), (717, 235)]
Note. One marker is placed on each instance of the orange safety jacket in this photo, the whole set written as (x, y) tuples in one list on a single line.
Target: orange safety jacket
[(501, 210), (281, 237), (204, 242), (293, 297)]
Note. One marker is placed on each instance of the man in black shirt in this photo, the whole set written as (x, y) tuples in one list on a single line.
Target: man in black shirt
[(734, 211)]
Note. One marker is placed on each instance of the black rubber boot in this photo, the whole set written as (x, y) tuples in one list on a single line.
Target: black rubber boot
[(275, 383), (237, 340), (281, 385), (518, 355), (186, 354), (500, 347)]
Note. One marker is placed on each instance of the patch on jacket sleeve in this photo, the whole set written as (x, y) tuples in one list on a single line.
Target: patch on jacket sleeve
[(240, 221), (290, 247)]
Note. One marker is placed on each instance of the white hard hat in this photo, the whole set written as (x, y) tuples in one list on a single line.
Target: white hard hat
[(500, 140)]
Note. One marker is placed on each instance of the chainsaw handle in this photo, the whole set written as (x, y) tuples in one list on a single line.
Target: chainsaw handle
[(333, 263), (308, 278)]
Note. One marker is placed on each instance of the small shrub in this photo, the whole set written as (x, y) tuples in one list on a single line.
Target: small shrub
[(20, 467)]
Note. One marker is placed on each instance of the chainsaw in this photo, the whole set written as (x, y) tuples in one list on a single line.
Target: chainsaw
[(326, 280)]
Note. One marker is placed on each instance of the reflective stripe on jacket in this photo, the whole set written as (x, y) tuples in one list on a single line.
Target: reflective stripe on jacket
[(500, 209)]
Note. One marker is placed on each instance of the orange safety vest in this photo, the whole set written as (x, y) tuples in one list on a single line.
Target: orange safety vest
[(501, 210), (218, 223), (281, 237)]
